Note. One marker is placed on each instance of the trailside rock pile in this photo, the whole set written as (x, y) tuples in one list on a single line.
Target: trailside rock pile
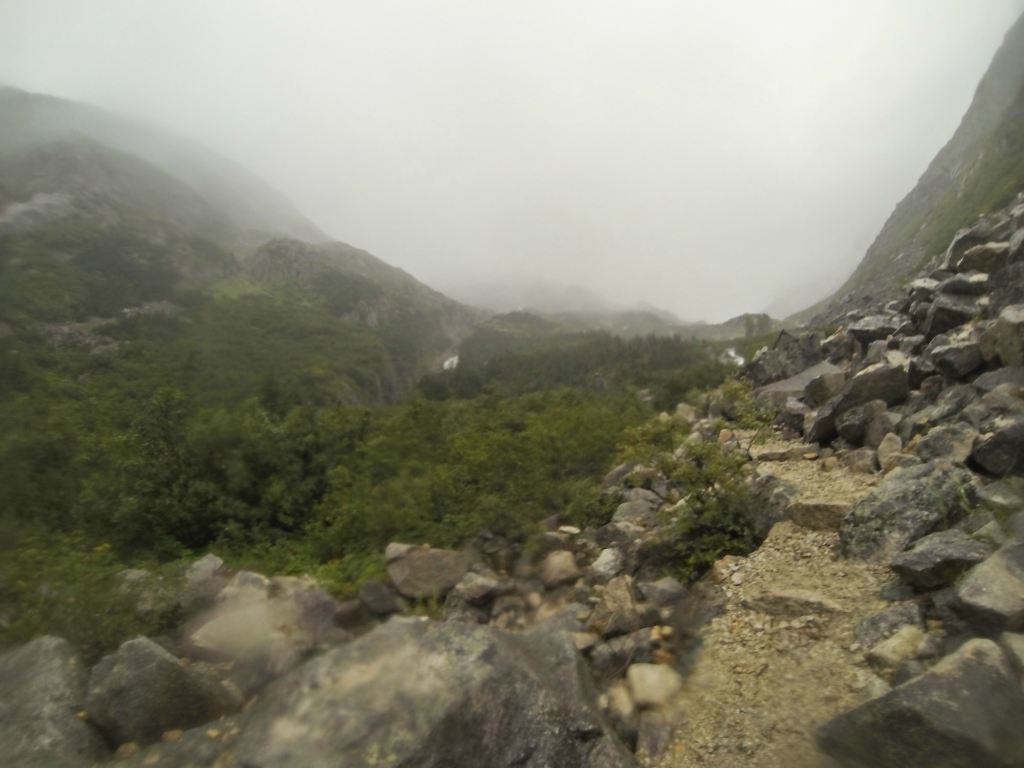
[(927, 393)]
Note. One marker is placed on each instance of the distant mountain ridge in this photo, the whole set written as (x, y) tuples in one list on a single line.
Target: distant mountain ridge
[(258, 210), (101, 220), (978, 171)]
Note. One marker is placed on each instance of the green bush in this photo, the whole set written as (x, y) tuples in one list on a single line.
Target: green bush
[(713, 519), (63, 585)]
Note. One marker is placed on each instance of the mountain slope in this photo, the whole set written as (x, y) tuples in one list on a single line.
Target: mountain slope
[(255, 208), (977, 171)]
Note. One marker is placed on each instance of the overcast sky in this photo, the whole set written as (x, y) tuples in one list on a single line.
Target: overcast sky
[(708, 157)]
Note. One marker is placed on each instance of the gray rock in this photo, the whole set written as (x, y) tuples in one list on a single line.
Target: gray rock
[(908, 504), (986, 257), (776, 393), (1012, 644), (874, 629), (991, 595), (863, 460), (194, 748), (894, 650), (702, 603), (875, 327), (203, 580), (965, 284), (664, 593), (938, 559), (954, 442), (639, 512), (424, 572), (263, 627), (1001, 450), (880, 381), (878, 427), (617, 612), (618, 474), (642, 494), (141, 690), (608, 564), (958, 359), (820, 514), (654, 733), (1004, 340), (923, 289), (948, 312), (43, 684), (653, 685), (852, 423), (559, 568), (478, 588), (888, 449), (789, 354), (1011, 374), (965, 712), (824, 387), (379, 598), (417, 693)]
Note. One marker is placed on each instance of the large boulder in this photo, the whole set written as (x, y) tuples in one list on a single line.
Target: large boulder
[(939, 558), (965, 712), (418, 693), (908, 504), (1005, 339), (875, 327), (991, 595), (984, 257), (141, 690), (264, 627), (881, 381), (424, 572), (1000, 450), (949, 311), (789, 355), (43, 684), (777, 393), (958, 359)]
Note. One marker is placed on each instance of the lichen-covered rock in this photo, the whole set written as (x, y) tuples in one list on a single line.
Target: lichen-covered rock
[(965, 712), (43, 684), (908, 504), (434, 695)]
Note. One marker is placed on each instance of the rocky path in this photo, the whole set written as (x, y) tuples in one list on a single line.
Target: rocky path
[(781, 659)]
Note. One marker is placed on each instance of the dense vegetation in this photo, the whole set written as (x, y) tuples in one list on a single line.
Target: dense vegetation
[(240, 424)]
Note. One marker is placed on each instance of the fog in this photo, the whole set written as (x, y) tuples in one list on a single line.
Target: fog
[(706, 157)]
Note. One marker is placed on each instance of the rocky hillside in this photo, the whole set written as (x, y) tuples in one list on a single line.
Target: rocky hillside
[(978, 171)]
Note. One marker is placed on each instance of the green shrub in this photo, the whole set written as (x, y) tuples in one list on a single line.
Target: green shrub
[(64, 585), (712, 520)]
